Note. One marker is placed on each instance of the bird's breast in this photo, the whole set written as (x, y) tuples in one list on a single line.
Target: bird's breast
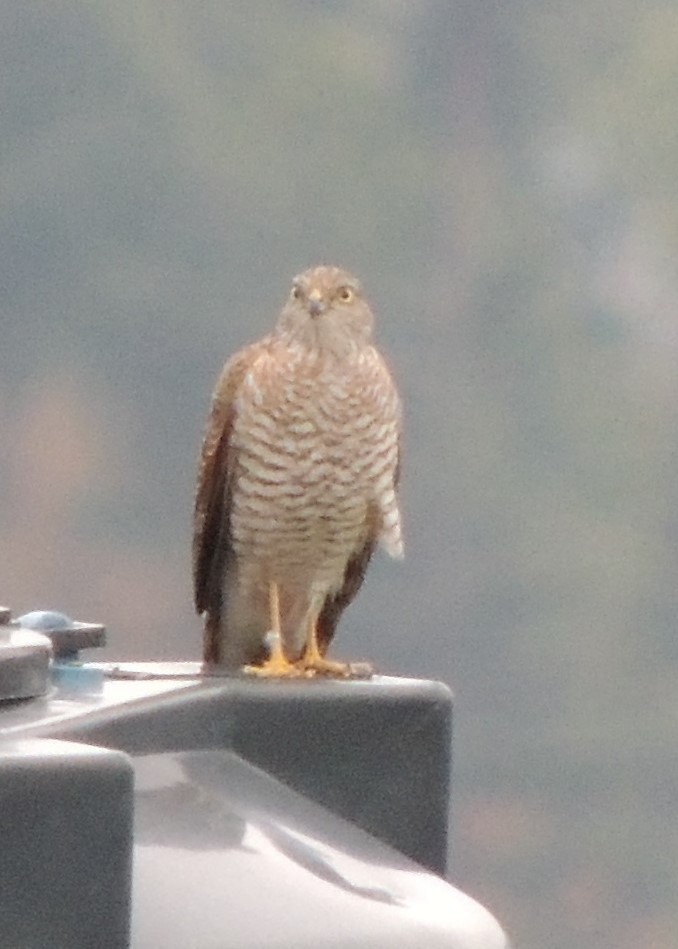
[(313, 447)]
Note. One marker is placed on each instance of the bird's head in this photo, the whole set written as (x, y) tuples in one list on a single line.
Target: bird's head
[(326, 309)]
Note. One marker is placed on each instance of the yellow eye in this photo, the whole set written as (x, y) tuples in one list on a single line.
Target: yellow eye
[(346, 295)]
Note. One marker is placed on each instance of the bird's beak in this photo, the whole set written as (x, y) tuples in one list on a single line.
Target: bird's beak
[(316, 304)]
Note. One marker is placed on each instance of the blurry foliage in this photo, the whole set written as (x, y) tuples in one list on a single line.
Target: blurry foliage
[(502, 176)]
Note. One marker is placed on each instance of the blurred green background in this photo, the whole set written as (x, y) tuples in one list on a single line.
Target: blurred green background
[(503, 176)]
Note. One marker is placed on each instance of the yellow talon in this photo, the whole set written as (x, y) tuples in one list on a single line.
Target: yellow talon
[(313, 663), (277, 666)]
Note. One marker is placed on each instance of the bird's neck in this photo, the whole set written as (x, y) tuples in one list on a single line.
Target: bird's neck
[(323, 341)]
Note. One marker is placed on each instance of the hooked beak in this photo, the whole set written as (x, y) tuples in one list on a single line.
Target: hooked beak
[(316, 304)]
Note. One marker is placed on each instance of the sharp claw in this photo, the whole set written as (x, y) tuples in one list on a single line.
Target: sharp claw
[(319, 666), (277, 666)]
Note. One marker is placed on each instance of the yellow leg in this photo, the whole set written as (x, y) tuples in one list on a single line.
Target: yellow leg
[(277, 665), (313, 663)]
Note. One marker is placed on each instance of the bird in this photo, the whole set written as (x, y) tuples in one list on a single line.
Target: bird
[(297, 483)]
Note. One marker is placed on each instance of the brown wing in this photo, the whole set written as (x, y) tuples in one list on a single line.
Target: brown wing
[(354, 575), (335, 605), (211, 525)]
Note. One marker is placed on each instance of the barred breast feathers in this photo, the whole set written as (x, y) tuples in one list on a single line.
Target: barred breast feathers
[(302, 436)]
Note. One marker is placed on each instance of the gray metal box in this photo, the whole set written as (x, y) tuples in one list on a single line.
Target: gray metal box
[(65, 845), (281, 814)]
